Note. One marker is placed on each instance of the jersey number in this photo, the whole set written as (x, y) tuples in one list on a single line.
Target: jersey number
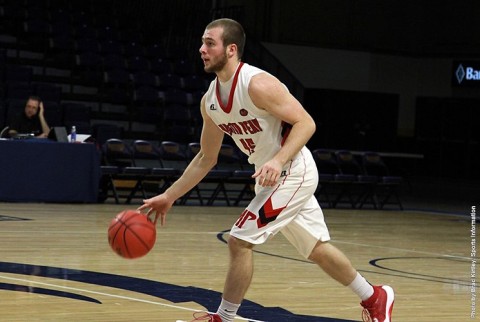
[(249, 145)]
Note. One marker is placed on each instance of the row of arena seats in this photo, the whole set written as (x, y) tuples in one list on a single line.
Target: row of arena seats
[(43, 20), (19, 77), (58, 29), (134, 166), (84, 52), (140, 102), (172, 121), (344, 179), (115, 86), (141, 166), (69, 113)]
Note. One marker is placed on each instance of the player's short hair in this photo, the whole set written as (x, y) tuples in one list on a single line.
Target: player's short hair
[(233, 33)]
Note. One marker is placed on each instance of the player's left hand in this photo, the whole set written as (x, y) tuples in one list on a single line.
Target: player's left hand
[(268, 174)]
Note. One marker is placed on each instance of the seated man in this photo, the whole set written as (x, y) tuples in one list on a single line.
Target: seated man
[(31, 121)]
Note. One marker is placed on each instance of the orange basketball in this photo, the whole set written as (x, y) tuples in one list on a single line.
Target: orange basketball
[(131, 234)]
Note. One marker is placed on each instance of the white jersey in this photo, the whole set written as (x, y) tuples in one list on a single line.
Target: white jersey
[(290, 206), (256, 132)]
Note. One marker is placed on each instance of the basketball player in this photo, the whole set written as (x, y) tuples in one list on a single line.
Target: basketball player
[(271, 127)]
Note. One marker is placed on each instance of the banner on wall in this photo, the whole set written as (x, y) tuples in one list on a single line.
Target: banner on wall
[(466, 73)]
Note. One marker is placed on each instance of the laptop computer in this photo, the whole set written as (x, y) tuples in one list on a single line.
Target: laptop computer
[(58, 133)]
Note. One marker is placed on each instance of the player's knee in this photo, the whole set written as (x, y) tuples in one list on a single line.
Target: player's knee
[(319, 252), (235, 244)]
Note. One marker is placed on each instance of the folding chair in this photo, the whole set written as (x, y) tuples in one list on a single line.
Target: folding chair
[(145, 154), (107, 176), (172, 155), (103, 132), (213, 182), (388, 185), (240, 184), (357, 187), (129, 177), (327, 169)]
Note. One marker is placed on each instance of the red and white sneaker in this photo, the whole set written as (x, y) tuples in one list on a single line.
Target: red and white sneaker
[(378, 308), (207, 317)]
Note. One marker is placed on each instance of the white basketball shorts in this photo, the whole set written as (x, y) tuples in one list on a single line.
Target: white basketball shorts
[(289, 207)]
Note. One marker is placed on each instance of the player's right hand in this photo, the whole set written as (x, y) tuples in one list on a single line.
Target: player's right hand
[(159, 205)]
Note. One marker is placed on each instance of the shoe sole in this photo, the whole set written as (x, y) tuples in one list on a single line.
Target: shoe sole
[(390, 301)]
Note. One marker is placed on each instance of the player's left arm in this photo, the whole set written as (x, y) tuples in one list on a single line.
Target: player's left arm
[(268, 93)]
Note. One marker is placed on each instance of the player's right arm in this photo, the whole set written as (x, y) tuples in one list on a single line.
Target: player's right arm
[(210, 142)]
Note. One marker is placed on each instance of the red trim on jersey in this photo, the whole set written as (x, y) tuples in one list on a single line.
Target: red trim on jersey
[(286, 128), (270, 211), (228, 108), (267, 213), (289, 169)]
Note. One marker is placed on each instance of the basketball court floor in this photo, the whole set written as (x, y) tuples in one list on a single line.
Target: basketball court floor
[(56, 265)]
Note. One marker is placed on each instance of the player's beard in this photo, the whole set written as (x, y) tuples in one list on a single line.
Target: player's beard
[(218, 65)]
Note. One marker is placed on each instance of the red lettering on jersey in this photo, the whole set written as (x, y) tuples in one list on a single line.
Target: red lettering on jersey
[(246, 215), (225, 128), (256, 125), (245, 127), (250, 126), (230, 128), (235, 128)]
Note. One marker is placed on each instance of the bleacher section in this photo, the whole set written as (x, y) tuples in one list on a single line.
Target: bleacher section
[(85, 53), (135, 85)]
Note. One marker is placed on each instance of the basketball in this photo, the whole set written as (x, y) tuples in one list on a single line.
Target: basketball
[(131, 234)]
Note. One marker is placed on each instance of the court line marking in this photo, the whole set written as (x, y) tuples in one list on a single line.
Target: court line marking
[(372, 246), (114, 296), (400, 249)]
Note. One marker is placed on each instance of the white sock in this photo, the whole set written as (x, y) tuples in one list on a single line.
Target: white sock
[(227, 311), (361, 287)]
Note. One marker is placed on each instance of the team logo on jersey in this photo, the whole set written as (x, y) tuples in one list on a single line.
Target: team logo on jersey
[(212, 107), (243, 112)]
